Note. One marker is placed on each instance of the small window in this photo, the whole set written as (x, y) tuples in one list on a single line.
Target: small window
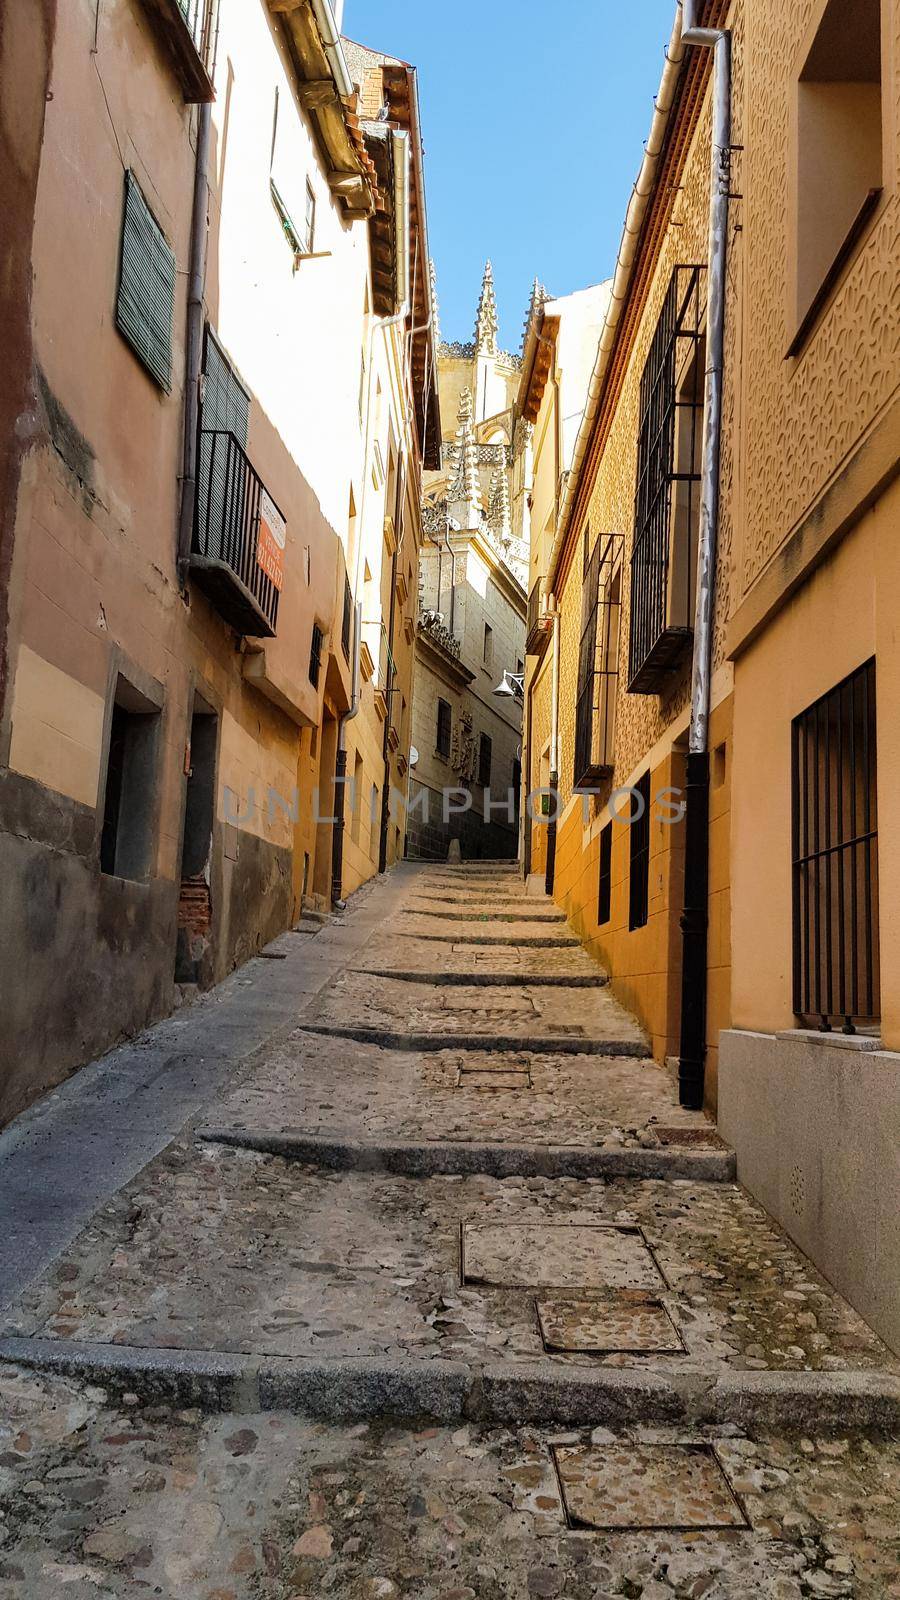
[(488, 645), (484, 760), (126, 842), (840, 160), (146, 298), (444, 728), (639, 880), (598, 662), (347, 619), (604, 899), (835, 849), (315, 655)]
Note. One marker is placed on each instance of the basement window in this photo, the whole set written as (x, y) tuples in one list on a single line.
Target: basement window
[(604, 897), (839, 169), (639, 880), (126, 842)]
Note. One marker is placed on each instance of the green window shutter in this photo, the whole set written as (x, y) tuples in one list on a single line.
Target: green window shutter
[(146, 299)]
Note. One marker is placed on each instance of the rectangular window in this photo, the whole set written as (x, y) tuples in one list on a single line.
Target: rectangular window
[(835, 856), (444, 728), (598, 661), (126, 842), (488, 645), (347, 619), (639, 878), (839, 174), (604, 898), (315, 655), (146, 296), (667, 500), (484, 760)]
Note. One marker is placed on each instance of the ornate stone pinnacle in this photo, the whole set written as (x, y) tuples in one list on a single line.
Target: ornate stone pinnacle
[(500, 518), (466, 486), (539, 297), (487, 322), (435, 304)]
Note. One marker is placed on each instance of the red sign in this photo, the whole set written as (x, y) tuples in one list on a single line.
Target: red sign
[(271, 540)]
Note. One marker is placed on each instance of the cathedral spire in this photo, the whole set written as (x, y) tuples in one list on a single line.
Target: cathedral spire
[(465, 490), (539, 296), (487, 322)]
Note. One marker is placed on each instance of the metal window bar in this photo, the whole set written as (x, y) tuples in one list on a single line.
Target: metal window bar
[(604, 892), (835, 857), (639, 877), (226, 527), (598, 661), (661, 626), (315, 655), (202, 19)]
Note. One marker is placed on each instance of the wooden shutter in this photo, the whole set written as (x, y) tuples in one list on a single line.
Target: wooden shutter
[(146, 297)]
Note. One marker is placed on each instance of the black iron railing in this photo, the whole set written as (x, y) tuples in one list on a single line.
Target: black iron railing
[(598, 661), (202, 18), (667, 498), (234, 520), (537, 626), (835, 849)]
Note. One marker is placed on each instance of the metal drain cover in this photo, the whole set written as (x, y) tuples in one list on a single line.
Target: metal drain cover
[(602, 1327), (539, 1255), (680, 1487)]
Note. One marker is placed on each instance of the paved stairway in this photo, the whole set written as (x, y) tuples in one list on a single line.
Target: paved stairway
[(444, 1296)]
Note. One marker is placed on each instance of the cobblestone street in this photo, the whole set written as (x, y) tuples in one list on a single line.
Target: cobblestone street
[(437, 1295)]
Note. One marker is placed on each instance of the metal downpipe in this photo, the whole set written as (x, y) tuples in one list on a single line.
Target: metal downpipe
[(695, 916), (550, 875), (194, 338)]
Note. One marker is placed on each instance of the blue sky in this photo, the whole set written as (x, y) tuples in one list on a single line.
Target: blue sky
[(534, 118)]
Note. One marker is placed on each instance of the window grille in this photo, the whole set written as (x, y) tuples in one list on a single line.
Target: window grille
[(202, 18), (835, 856), (347, 619), (444, 728), (667, 502), (639, 878), (146, 297), (598, 661), (604, 898), (484, 760), (315, 655)]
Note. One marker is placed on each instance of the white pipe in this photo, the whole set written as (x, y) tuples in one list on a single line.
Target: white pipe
[(719, 41), (637, 210), (334, 50), (354, 700)]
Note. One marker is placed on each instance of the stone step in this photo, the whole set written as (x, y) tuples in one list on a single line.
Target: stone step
[(493, 980), (410, 1159), (265, 1501), (548, 941), (488, 913), (448, 1039)]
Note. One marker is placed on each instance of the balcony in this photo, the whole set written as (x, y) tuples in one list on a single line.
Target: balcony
[(188, 31), (539, 625), (239, 538)]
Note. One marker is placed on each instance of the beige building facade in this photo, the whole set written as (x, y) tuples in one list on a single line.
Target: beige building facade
[(797, 989), (183, 461)]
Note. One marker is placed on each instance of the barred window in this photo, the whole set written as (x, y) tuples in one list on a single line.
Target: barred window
[(639, 879), (835, 856), (444, 728), (146, 297), (598, 661), (667, 502), (347, 619)]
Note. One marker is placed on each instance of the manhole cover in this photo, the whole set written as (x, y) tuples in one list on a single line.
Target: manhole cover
[(481, 1079), (679, 1487), (602, 1327), (524, 1256)]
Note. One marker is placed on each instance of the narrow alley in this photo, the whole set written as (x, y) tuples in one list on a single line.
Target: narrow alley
[(437, 1293)]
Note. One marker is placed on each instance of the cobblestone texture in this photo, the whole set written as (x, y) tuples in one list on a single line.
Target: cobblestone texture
[(213, 1248), (101, 1499)]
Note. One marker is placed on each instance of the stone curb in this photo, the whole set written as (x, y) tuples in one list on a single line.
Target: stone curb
[(534, 1043), (359, 1388), (494, 980), (410, 1160)]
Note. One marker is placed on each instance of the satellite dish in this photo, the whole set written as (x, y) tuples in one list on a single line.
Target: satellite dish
[(413, 757)]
